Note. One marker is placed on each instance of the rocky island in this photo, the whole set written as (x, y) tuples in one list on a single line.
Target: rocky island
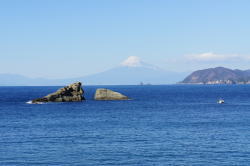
[(218, 75), (70, 93), (106, 94)]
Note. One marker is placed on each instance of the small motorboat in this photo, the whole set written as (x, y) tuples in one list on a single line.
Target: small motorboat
[(220, 101)]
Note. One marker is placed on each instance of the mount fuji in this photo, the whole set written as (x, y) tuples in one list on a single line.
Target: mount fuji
[(133, 71)]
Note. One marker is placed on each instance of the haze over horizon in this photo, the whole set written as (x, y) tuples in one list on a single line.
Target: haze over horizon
[(66, 39)]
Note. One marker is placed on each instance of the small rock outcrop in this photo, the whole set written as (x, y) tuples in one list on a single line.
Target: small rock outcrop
[(106, 94), (70, 93)]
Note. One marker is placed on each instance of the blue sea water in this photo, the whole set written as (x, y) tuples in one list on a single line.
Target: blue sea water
[(162, 125)]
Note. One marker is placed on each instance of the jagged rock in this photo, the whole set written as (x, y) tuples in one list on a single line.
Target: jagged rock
[(106, 94), (70, 93)]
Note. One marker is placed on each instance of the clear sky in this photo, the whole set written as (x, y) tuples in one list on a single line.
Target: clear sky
[(68, 38)]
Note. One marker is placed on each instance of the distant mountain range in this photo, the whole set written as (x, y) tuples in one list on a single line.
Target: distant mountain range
[(218, 75), (135, 72), (132, 71), (19, 80)]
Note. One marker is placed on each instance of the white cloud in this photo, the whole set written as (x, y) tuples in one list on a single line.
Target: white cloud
[(209, 56), (132, 61)]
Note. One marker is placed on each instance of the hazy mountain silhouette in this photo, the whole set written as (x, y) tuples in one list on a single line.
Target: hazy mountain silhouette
[(218, 75), (132, 71)]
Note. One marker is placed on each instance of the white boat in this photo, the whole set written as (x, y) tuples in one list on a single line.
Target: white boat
[(221, 101)]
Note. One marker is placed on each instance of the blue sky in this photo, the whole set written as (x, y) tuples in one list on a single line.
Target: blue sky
[(59, 38)]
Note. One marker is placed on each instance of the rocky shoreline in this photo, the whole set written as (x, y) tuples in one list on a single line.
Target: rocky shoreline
[(217, 82)]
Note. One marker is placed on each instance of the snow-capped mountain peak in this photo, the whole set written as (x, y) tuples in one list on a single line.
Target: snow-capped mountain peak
[(136, 62), (132, 61)]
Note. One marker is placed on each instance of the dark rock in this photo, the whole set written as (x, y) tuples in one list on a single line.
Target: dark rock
[(71, 93)]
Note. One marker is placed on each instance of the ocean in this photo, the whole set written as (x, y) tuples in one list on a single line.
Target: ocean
[(160, 126)]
